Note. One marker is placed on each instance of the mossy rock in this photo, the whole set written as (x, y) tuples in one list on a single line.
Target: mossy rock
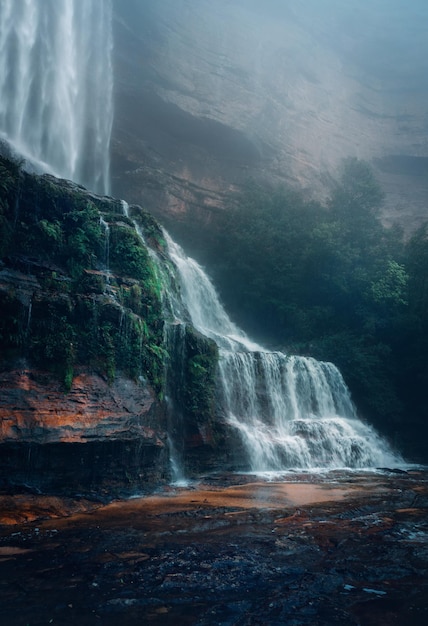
[(200, 376), (80, 315)]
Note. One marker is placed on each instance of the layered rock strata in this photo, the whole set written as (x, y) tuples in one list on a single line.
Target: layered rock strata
[(83, 352)]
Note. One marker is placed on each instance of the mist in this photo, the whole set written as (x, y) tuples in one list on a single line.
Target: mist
[(266, 380), (283, 92)]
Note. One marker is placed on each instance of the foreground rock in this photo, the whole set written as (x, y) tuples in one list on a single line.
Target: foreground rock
[(343, 549)]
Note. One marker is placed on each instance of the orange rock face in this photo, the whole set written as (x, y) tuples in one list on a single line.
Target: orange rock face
[(34, 408), (95, 438)]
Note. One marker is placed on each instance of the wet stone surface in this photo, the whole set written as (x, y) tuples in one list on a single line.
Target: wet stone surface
[(323, 550)]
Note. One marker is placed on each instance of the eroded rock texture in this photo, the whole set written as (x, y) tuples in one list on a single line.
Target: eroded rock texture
[(35, 408), (81, 332), (349, 549), (209, 95)]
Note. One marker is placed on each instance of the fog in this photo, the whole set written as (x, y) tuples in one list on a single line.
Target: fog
[(386, 37), (304, 83), (209, 94)]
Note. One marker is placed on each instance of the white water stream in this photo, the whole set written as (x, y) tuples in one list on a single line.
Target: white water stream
[(56, 86), (289, 411)]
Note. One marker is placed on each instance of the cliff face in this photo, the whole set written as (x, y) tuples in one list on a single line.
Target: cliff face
[(80, 384), (209, 95), (34, 408), (83, 354), (89, 350)]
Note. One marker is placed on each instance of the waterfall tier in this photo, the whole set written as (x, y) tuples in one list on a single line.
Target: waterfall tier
[(56, 86), (288, 411)]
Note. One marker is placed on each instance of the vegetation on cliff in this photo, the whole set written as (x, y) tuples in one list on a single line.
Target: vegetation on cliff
[(78, 286), (331, 282)]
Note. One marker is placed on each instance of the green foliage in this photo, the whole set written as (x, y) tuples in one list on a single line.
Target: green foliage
[(9, 185), (53, 230), (84, 238), (107, 351), (357, 192), (50, 344), (127, 255), (200, 396), (132, 297), (391, 287), (9, 175), (154, 361), (301, 270), (417, 267), (13, 322), (200, 376), (68, 378), (411, 340), (49, 221), (332, 282), (6, 180), (152, 231), (51, 235)]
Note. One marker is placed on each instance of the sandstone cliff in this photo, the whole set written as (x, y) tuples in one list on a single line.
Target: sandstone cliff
[(209, 95), (83, 355)]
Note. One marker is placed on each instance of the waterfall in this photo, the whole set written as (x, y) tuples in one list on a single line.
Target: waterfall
[(175, 316), (289, 411), (56, 86)]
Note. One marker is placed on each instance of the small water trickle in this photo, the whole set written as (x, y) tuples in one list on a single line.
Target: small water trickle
[(174, 331), (106, 228), (178, 477), (125, 208), (29, 310), (175, 384), (122, 317)]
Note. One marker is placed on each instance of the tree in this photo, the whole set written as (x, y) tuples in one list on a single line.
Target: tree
[(417, 266), (357, 192)]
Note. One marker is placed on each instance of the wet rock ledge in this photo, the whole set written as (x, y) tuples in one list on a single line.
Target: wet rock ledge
[(341, 548)]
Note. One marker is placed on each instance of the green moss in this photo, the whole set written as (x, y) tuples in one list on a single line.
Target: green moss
[(51, 235), (92, 283), (13, 322), (150, 227), (68, 378), (132, 297), (52, 230), (200, 376), (9, 186), (84, 247), (107, 351)]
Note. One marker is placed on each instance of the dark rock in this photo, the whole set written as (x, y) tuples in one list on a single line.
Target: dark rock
[(151, 561)]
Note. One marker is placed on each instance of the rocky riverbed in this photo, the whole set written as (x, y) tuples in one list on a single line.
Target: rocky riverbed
[(305, 549)]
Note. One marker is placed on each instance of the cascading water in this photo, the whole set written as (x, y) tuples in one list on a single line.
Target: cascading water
[(176, 317), (289, 411), (56, 86)]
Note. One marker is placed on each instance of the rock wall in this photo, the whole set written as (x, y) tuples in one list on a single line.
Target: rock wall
[(35, 409), (92, 389), (81, 335), (209, 95)]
